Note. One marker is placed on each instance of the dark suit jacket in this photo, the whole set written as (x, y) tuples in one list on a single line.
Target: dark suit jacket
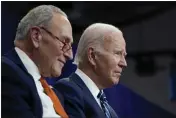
[(78, 100), (20, 98)]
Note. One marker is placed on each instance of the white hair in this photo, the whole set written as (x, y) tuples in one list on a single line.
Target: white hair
[(93, 36), (40, 15)]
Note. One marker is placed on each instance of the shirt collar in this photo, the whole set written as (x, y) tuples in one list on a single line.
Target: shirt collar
[(29, 64), (88, 82)]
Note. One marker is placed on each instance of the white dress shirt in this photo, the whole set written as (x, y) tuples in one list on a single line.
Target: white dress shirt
[(47, 104), (90, 85)]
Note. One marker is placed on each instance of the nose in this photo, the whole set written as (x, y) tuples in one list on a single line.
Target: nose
[(123, 62), (69, 54)]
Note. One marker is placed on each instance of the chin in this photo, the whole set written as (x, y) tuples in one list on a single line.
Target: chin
[(56, 74), (116, 81)]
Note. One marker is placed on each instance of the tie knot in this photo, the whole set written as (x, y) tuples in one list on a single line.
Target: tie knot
[(44, 83), (101, 96)]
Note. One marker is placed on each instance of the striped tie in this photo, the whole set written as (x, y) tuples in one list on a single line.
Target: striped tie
[(104, 103)]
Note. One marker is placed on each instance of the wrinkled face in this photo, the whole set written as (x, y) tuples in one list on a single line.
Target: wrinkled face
[(111, 60), (51, 51)]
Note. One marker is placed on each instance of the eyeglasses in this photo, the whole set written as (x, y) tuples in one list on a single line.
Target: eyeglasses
[(65, 47)]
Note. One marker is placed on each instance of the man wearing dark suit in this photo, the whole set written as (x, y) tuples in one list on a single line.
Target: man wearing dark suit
[(100, 58), (38, 53)]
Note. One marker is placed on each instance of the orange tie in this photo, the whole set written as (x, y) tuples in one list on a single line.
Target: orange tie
[(57, 105)]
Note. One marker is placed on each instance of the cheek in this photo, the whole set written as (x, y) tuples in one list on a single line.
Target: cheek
[(56, 68), (107, 64), (113, 62), (53, 54), (53, 48), (112, 66)]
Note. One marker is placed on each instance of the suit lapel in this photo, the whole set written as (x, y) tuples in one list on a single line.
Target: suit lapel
[(13, 56), (28, 79), (74, 77)]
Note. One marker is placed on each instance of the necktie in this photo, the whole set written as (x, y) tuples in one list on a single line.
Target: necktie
[(104, 104), (56, 103)]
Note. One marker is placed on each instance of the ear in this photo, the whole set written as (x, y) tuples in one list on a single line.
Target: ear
[(91, 56), (35, 35)]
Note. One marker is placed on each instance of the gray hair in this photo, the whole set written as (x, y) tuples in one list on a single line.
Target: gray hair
[(40, 15), (93, 36)]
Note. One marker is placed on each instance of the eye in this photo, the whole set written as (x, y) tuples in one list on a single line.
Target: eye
[(66, 39), (118, 53)]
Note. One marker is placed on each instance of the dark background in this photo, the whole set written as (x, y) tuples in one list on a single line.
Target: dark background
[(126, 103)]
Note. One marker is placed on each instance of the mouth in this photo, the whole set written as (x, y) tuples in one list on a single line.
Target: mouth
[(63, 62), (118, 73)]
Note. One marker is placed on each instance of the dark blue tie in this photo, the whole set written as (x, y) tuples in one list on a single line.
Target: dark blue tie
[(104, 104)]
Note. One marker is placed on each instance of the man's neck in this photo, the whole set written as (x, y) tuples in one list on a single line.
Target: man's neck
[(91, 74)]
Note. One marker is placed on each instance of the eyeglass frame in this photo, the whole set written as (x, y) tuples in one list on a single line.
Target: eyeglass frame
[(55, 37)]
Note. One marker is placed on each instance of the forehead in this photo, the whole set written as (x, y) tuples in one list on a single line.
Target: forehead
[(115, 40), (61, 27)]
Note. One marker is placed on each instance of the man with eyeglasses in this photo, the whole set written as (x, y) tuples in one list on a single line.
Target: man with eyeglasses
[(42, 47)]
